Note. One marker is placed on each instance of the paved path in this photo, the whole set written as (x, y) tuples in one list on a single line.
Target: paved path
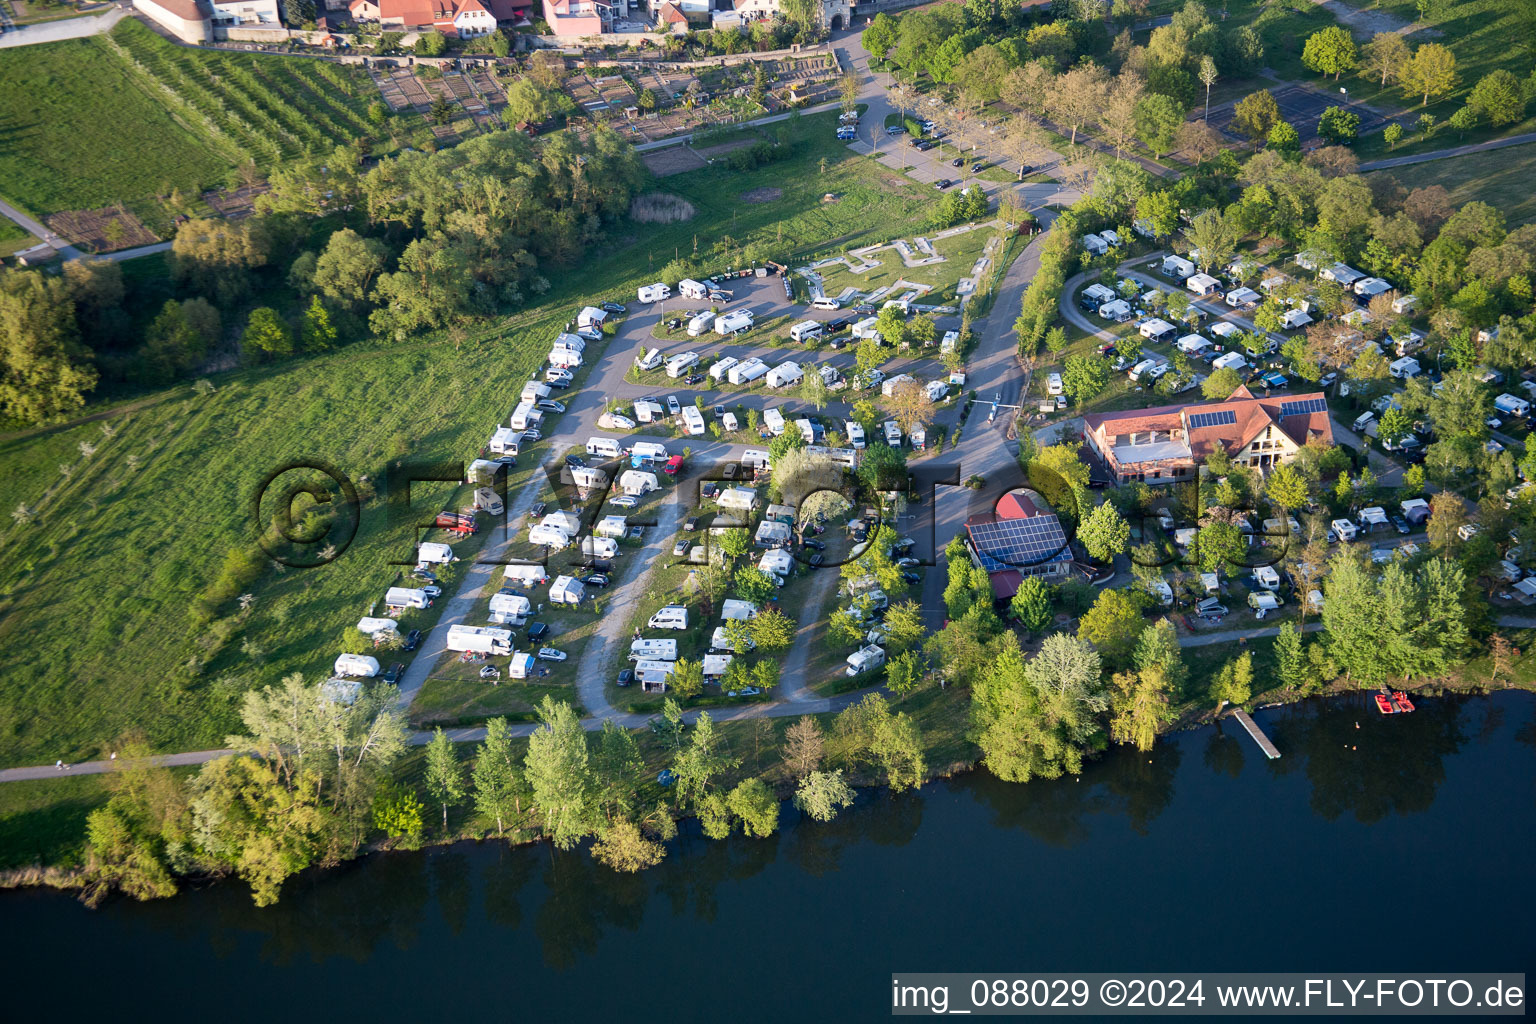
[(38, 231), (66, 28), (1442, 154)]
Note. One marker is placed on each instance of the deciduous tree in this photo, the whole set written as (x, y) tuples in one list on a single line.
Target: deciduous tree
[(1431, 72)]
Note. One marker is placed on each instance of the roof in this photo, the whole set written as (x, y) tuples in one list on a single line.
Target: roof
[(1002, 543), (189, 10), (1232, 423), (671, 15)]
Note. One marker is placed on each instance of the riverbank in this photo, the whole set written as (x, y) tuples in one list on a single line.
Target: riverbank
[(947, 751), (1203, 856)]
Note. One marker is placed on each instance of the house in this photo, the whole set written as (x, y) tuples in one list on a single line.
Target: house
[(670, 18), (572, 18), (1016, 539), (1168, 443), (462, 18), (245, 12), (187, 20)]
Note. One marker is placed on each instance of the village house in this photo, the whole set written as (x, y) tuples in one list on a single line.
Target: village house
[(462, 18), (1166, 444)]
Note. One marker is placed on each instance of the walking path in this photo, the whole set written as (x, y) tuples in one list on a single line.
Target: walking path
[(1442, 154), (64, 28)]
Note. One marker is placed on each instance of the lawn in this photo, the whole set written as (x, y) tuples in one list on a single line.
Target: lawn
[(1501, 178), (960, 253), (191, 117)]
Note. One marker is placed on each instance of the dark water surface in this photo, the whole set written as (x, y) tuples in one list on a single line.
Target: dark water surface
[(1405, 844)]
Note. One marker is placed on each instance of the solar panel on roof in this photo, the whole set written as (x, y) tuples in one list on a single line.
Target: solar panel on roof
[(1012, 543), (1219, 418), (1303, 406)]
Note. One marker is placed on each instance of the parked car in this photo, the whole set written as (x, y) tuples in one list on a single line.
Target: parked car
[(393, 673), (691, 523), (413, 640), (533, 434), (907, 563), (506, 460), (551, 654), (911, 577), (432, 590), (612, 307), (595, 579), (624, 501), (537, 631), (673, 406), (749, 691), (550, 405), (978, 166), (576, 462), (680, 549), (958, 161), (626, 677), (424, 575), (942, 184), (694, 378), (1399, 524), (814, 545), (538, 508)]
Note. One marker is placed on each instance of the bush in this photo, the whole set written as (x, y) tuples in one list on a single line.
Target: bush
[(660, 208)]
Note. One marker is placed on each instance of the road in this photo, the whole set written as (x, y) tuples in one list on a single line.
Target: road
[(1443, 154), (65, 249)]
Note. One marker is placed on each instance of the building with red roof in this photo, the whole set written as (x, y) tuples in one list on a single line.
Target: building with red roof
[(462, 18), (1016, 540), (1168, 443)]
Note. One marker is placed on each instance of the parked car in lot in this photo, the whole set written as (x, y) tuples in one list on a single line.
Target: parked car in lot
[(412, 640), (596, 579), (393, 673), (748, 691), (576, 462), (506, 460), (978, 166), (551, 654), (612, 307), (550, 405), (673, 406), (626, 677), (958, 161), (942, 184), (680, 549), (537, 509), (911, 577)]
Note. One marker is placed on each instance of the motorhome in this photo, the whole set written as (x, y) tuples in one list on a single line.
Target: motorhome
[(1343, 529), (747, 372), (865, 659), (648, 359), (866, 328), (509, 609), (654, 292), (673, 616), (733, 322), (479, 639), (892, 433), (773, 419), (805, 330), (650, 451), (1406, 367), (681, 363), (1266, 577), (701, 324), (653, 650), (722, 367), (693, 421), (1509, 405)]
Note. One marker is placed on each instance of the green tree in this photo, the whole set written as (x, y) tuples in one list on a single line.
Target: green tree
[(1104, 532), (398, 813), (1431, 72), (266, 332), (1158, 118), (904, 626), (1215, 235), (1234, 683), (560, 775), (1138, 705), (1284, 138), (444, 774), (1031, 604), (700, 764), (431, 44), (1083, 377), (1255, 114), (1394, 425), (772, 630), (318, 333), (821, 795), (1218, 387), (1392, 134), (1500, 97), (755, 585), (1339, 125), (880, 36), (1384, 56), (1287, 487), (623, 846), (1112, 625), (687, 678), (494, 777), (1330, 51), (754, 803), (1290, 659)]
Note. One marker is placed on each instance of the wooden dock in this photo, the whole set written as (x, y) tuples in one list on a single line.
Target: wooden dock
[(1270, 750)]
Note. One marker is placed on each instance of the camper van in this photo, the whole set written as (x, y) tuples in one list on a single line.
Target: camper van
[(693, 421), (865, 659), (733, 322), (1095, 296), (755, 458), (892, 433), (606, 447), (773, 419), (673, 616), (681, 364), (1510, 405), (734, 609), (855, 432), (654, 292), (1343, 529), (479, 639), (653, 650), (701, 324), (691, 289), (826, 302), (805, 330), (722, 367), (1406, 367), (653, 451), (649, 359), (489, 501)]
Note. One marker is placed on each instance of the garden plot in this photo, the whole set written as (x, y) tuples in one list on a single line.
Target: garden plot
[(235, 203), (104, 230), (391, 90), (959, 254)]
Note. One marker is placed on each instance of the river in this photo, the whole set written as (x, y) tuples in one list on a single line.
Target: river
[(1403, 844)]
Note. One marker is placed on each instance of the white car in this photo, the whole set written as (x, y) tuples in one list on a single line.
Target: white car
[(433, 592), (750, 691), (551, 654), (672, 405), (625, 501)]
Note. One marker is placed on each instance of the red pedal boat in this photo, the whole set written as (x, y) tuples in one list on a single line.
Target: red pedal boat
[(1384, 704), (1403, 703)]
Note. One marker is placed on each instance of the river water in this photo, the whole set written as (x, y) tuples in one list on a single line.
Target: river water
[(1403, 844)]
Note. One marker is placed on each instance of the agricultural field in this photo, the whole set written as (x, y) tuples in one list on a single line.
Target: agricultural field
[(195, 115)]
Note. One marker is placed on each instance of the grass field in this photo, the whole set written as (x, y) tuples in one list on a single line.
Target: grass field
[(1502, 178), (190, 116), (960, 253)]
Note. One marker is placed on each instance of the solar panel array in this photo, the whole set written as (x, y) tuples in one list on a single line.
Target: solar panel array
[(1016, 543), (1219, 418), (1302, 407)]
